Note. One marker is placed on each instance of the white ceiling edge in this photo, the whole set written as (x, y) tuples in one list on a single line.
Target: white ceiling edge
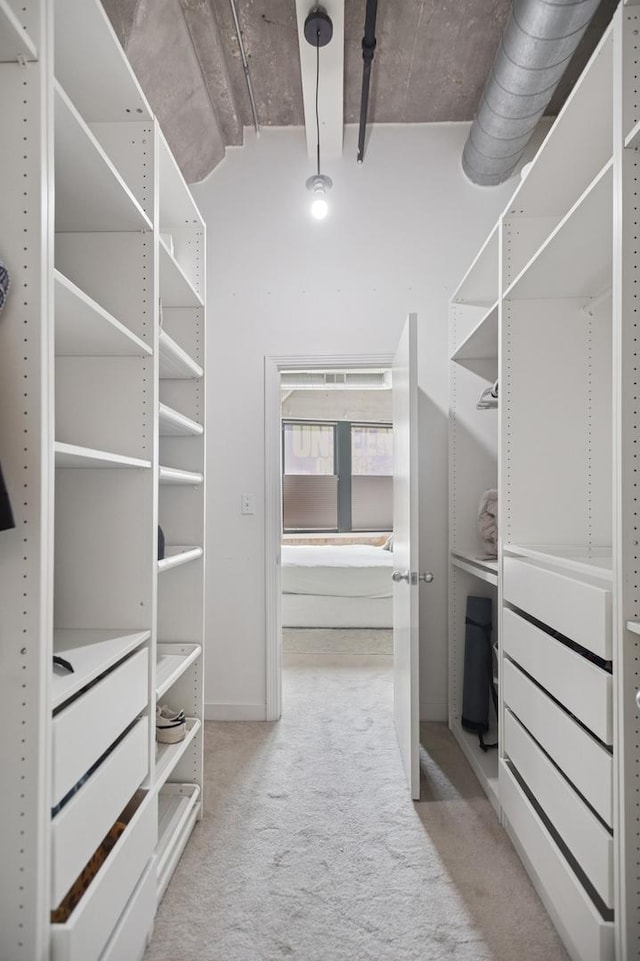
[(331, 86)]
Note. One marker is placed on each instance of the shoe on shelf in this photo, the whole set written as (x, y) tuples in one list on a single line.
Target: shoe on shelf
[(171, 726)]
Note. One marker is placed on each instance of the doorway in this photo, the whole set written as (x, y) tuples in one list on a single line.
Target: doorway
[(314, 374), (337, 514)]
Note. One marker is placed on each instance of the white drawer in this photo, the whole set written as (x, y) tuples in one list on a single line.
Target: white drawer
[(583, 833), (129, 940), (78, 829), (582, 687), (587, 936), (576, 608), (84, 935), (584, 761), (84, 729)]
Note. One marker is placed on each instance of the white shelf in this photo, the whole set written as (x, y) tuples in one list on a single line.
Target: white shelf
[(15, 42), (173, 659), (175, 424), (70, 455), (175, 363), (90, 193), (482, 342), (175, 556), (481, 567), (176, 290), (479, 286), (85, 329), (552, 184), (177, 812), (171, 475), (633, 626), (168, 755), (177, 206), (483, 763), (95, 72), (91, 653), (575, 260), (597, 562), (632, 140)]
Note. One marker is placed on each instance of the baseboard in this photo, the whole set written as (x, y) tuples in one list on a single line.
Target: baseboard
[(235, 712), (434, 709)]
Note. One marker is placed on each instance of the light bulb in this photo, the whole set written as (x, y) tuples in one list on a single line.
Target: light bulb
[(319, 208), (318, 185)]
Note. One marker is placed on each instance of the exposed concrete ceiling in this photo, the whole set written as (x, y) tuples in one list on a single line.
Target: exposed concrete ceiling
[(432, 60)]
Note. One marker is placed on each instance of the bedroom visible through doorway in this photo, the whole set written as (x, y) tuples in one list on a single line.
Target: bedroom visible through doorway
[(336, 513)]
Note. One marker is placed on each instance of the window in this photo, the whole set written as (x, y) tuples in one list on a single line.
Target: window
[(371, 477), (337, 476)]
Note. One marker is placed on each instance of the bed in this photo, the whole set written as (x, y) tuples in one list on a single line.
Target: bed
[(329, 585)]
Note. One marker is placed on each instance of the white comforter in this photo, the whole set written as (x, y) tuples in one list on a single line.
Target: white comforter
[(343, 570)]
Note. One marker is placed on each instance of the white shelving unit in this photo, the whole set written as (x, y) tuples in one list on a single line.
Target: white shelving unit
[(91, 187), (15, 41), (173, 475), (175, 363), (176, 556), (560, 335), (175, 424), (85, 329)]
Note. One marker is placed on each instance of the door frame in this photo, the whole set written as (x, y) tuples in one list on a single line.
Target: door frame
[(273, 366)]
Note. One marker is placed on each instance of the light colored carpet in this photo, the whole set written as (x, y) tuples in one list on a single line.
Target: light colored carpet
[(337, 640), (311, 848)]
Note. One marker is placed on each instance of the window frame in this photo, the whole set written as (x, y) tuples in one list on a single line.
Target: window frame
[(342, 470)]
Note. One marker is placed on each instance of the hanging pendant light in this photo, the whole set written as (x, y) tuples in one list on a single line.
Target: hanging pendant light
[(318, 31)]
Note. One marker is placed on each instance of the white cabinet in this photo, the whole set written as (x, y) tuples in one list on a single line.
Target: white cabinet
[(103, 438), (548, 308)]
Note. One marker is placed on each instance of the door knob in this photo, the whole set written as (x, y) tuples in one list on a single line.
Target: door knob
[(427, 577), (400, 576)]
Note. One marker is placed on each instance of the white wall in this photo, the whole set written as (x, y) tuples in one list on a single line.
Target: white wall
[(402, 230)]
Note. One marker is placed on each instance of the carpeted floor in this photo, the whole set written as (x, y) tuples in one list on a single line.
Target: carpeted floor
[(311, 848)]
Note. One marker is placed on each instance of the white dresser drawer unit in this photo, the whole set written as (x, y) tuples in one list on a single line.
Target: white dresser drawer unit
[(582, 687), (589, 841), (129, 940), (579, 609), (85, 729), (587, 764), (77, 831), (84, 936), (587, 935)]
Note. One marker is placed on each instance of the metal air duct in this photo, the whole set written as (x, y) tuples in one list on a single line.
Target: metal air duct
[(539, 39)]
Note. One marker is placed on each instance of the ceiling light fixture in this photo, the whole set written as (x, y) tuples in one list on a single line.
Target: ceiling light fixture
[(318, 31)]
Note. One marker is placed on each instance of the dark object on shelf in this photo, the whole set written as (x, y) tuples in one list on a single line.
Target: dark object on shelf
[(160, 543), (61, 662), (478, 674), (6, 514), (5, 283)]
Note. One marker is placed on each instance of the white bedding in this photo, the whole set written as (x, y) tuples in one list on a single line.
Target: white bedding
[(343, 570)]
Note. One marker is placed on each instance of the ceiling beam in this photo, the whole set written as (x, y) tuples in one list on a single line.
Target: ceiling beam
[(331, 86)]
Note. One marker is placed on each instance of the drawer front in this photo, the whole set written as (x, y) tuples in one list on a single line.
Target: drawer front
[(587, 936), (129, 940), (84, 935), (584, 689), (583, 833), (575, 608), (587, 764), (83, 731), (81, 825)]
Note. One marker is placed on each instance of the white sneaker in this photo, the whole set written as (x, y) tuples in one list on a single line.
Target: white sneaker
[(171, 726)]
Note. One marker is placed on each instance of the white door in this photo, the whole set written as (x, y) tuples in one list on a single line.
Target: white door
[(406, 559)]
